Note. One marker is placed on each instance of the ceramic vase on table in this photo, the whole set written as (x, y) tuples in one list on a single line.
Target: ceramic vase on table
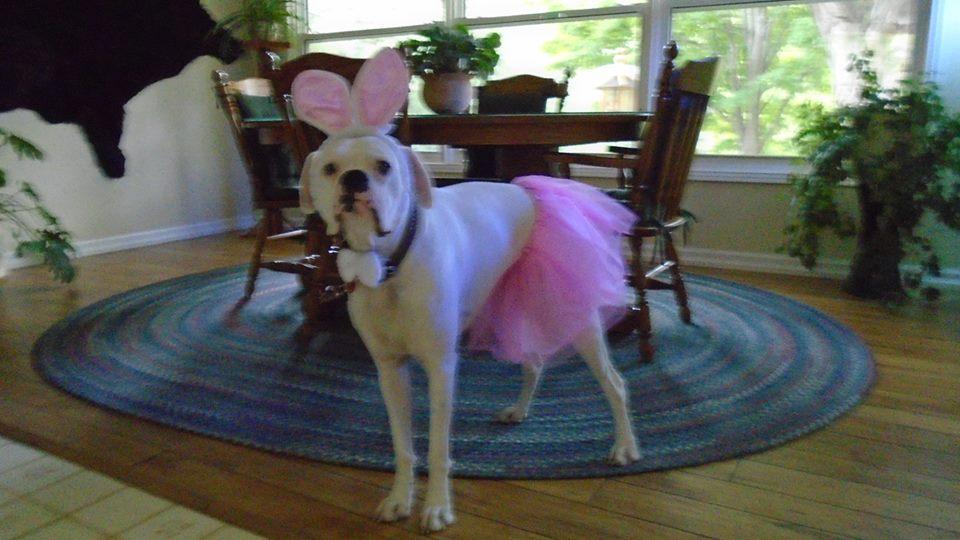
[(447, 93)]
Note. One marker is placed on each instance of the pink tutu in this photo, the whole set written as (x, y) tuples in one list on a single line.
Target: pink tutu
[(571, 267)]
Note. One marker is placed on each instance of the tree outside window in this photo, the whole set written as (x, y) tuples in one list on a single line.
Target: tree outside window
[(776, 58)]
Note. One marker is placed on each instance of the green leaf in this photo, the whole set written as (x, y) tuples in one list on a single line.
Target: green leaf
[(451, 49), (21, 210), (24, 148)]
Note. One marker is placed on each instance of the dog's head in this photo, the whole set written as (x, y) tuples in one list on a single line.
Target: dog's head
[(360, 179)]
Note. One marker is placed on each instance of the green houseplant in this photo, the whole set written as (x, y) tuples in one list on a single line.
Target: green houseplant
[(446, 58), (262, 21), (35, 230), (901, 150)]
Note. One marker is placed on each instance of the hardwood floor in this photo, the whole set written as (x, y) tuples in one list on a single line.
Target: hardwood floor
[(890, 468)]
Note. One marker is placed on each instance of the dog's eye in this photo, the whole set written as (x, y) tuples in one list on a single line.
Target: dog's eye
[(383, 167), (329, 169)]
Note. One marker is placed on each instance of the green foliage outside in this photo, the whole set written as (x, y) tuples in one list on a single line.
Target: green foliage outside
[(773, 60), (760, 85), (902, 150), (36, 231), (446, 49), (589, 44)]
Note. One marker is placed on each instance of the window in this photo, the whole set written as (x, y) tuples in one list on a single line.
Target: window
[(325, 17), (775, 55), (596, 41), (775, 58), (505, 8), (597, 57)]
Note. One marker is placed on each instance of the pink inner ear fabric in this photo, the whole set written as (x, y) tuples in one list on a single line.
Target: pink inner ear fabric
[(381, 88), (322, 99)]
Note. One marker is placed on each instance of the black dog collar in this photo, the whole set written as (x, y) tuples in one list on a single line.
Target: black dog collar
[(390, 267)]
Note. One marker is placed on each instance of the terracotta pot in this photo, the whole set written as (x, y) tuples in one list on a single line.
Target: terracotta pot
[(447, 93)]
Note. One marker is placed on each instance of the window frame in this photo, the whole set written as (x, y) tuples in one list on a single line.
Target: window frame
[(656, 22)]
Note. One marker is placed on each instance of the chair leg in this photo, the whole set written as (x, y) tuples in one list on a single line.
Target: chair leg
[(315, 309), (679, 289), (641, 310), (273, 217), (311, 307), (254, 269)]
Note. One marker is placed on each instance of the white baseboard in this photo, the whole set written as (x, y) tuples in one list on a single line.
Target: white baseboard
[(122, 242), (775, 263)]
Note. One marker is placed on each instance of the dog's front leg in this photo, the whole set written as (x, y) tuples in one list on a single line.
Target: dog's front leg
[(438, 507), (395, 386)]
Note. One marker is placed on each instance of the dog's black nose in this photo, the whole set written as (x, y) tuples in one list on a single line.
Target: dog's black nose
[(355, 181)]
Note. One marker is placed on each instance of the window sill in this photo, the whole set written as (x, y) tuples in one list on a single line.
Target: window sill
[(705, 168), (745, 169)]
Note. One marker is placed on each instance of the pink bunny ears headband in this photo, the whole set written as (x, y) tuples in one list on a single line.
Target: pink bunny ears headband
[(325, 101)]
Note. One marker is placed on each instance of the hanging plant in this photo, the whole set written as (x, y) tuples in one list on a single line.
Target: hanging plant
[(262, 20)]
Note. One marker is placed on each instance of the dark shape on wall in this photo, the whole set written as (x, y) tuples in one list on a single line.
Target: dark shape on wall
[(80, 61)]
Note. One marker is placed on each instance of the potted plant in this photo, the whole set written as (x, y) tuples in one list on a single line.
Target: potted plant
[(446, 58), (262, 23), (900, 149), (36, 231)]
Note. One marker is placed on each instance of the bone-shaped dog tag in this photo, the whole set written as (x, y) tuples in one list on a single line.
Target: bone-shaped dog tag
[(364, 266)]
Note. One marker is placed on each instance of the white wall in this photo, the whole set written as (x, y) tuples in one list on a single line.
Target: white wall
[(183, 174)]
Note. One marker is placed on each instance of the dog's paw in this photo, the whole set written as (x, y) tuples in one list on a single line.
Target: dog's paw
[(511, 415), (624, 453), (395, 506), (436, 516)]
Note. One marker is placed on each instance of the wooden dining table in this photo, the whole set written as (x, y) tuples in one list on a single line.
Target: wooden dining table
[(522, 140)]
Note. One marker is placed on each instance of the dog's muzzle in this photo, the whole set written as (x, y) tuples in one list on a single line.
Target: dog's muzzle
[(353, 182)]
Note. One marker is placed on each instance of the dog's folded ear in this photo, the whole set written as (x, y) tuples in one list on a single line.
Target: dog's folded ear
[(422, 182)]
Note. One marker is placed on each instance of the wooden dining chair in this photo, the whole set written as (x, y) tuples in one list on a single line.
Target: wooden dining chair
[(282, 74), (518, 94), (658, 177), (268, 155)]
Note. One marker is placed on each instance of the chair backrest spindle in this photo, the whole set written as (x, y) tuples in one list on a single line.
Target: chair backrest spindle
[(282, 74), (668, 149)]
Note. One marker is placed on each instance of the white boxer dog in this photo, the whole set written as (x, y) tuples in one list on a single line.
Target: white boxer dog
[(424, 261)]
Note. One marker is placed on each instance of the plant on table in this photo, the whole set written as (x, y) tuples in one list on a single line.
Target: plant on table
[(446, 58), (901, 150), (453, 49), (35, 230)]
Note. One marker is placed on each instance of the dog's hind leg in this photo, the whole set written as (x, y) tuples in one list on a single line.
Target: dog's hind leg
[(395, 386), (518, 411), (592, 346)]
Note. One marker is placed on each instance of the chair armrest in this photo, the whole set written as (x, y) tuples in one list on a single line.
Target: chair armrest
[(596, 160), (625, 150)]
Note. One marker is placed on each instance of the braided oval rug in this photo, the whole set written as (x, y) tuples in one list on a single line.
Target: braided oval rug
[(753, 371)]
